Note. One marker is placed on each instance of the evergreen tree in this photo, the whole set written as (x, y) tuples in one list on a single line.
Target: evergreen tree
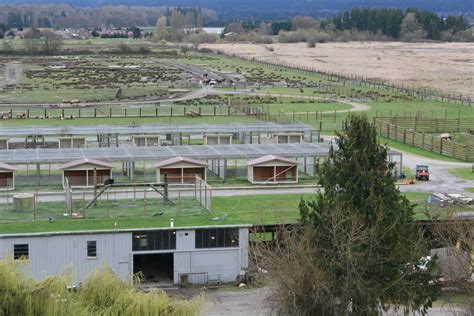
[(365, 241)]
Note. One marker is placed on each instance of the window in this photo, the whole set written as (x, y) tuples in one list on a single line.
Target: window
[(154, 240), (92, 249), (217, 238), (21, 252)]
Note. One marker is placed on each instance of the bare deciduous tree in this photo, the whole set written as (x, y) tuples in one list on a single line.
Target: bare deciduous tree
[(161, 30), (411, 30)]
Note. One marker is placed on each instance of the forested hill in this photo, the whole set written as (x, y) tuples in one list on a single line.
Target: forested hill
[(276, 9)]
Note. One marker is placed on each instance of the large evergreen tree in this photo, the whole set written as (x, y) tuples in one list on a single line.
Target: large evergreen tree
[(365, 240)]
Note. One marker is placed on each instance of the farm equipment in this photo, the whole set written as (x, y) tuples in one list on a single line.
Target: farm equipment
[(422, 173)]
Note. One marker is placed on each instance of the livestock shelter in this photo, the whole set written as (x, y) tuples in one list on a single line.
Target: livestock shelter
[(72, 142), (181, 170), (3, 143), (7, 176), (217, 139), (287, 138), (163, 255), (86, 172), (272, 169), (145, 140)]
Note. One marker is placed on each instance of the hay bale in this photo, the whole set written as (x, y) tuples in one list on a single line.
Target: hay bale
[(23, 202)]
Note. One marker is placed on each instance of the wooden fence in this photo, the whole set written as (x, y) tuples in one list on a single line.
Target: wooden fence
[(424, 140), (119, 112), (431, 125), (420, 92)]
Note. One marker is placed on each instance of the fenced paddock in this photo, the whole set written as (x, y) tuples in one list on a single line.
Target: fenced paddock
[(120, 203), (430, 125), (424, 133)]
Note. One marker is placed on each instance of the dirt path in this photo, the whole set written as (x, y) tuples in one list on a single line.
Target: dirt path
[(253, 302), (356, 107), (237, 303), (12, 74), (440, 179)]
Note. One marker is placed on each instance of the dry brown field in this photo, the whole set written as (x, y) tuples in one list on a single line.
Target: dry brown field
[(448, 67)]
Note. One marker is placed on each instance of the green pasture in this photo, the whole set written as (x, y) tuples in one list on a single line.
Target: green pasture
[(463, 173), (253, 209), (131, 120)]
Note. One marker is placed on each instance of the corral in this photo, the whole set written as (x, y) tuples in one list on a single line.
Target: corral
[(107, 135)]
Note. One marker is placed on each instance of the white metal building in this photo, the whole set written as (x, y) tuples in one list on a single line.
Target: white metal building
[(161, 254)]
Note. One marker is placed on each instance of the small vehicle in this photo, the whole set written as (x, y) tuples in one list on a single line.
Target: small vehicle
[(422, 173)]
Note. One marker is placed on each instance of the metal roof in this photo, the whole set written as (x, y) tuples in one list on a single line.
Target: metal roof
[(175, 160), (6, 167), (156, 128), (236, 151), (83, 161), (268, 158)]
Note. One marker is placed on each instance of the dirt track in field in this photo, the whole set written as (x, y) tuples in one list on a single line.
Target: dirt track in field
[(13, 72), (444, 66)]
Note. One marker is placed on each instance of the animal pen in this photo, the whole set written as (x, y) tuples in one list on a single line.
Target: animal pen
[(148, 135), (38, 168)]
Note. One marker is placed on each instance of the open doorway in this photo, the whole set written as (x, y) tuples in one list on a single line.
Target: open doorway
[(157, 267)]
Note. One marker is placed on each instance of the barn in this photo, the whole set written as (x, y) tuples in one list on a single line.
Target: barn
[(272, 169), (217, 139), (145, 140), (180, 170), (81, 172), (72, 142), (286, 138), (7, 176)]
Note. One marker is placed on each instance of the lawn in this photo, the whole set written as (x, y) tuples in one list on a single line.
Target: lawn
[(312, 107), (463, 173), (253, 209), (132, 120)]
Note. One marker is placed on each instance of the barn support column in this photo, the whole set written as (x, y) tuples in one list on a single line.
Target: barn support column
[(259, 138), (251, 137), (224, 173), (38, 174), (116, 140)]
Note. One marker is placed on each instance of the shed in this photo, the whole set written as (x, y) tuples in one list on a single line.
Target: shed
[(145, 140), (72, 142), (272, 169), (181, 170), (80, 173), (286, 138), (217, 139), (7, 176)]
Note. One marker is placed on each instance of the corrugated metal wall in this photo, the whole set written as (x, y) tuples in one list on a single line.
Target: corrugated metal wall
[(51, 255)]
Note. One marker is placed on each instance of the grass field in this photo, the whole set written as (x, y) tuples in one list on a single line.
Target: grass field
[(256, 210), (132, 120), (463, 173)]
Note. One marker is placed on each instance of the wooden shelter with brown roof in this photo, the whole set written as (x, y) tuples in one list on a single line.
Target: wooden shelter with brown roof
[(180, 170), (86, 172), (7, 176), (272, 169)]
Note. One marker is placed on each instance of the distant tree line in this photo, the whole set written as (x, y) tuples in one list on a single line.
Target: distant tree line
[(356, 25), (390, 21), (66, 16)]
